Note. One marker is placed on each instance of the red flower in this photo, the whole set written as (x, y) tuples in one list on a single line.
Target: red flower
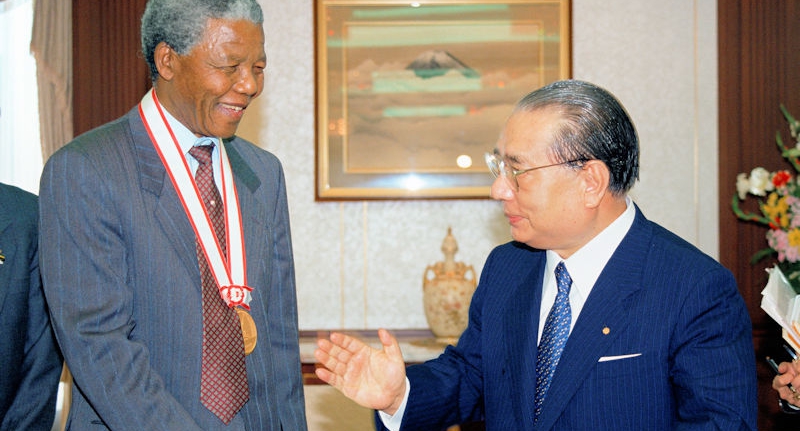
[(774, 226), (781, 178)]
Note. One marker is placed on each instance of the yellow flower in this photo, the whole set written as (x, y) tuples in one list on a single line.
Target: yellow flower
[(776, 209), (794, 237)]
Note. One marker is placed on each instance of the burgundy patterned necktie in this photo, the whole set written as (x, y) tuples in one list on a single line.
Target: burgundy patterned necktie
[(223, 382), (554, 337)]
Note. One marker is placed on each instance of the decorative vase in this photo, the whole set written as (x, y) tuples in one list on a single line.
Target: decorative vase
[(447, 292)]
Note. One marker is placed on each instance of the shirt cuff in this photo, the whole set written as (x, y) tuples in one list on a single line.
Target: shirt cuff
[(393, 422)]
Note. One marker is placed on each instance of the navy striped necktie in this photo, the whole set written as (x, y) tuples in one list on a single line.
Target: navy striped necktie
[(554, 337)]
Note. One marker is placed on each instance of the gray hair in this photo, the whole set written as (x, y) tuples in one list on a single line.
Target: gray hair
[(181, 23), (594, 126)]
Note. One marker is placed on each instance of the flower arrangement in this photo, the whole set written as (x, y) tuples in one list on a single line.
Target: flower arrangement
[(779, 203)]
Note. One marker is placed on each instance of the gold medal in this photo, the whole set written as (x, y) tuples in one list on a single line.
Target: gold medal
[(249, 333)]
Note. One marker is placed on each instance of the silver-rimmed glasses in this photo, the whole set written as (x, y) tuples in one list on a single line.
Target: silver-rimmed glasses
[(499, 167)]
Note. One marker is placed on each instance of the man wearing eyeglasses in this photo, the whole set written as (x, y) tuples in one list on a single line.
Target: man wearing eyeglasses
[(593, 318)]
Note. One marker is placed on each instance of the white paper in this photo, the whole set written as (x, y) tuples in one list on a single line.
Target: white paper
[(781, 304)]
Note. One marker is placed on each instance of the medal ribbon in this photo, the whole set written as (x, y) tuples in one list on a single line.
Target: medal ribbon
[(231, 275)]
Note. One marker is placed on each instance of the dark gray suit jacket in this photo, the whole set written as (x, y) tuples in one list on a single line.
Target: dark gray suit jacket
[(30, 364), (121, 276)]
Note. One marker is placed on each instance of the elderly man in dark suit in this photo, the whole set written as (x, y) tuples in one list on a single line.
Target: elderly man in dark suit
[(168, 261), (593, 318), (30, 363)]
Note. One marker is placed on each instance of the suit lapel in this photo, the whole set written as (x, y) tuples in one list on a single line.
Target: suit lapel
[(521, 328), (168, 210), (603, 317), (253, 211), (245, 177)]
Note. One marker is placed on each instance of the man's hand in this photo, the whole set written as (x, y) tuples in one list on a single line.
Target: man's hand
[(788, 379), (373, 378)]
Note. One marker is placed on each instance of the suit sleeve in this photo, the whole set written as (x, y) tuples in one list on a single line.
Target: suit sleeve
[(84, 269), (282, 313), (33, 406), (713, 367), (448, 390)]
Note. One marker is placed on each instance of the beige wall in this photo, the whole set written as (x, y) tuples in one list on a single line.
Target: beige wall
[(360, 264)]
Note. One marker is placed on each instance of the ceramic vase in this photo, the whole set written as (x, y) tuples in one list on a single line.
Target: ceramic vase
[(447, 292)]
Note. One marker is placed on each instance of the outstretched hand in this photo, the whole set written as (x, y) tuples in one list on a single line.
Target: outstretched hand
[(373, 378)]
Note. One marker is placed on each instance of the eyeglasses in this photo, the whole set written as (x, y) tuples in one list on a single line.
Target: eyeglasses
[(499, 168)]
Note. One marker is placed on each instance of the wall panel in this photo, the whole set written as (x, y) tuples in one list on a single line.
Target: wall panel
[(758, 70), (109, 75)]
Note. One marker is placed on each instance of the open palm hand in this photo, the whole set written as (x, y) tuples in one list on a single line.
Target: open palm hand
[(373, 378)]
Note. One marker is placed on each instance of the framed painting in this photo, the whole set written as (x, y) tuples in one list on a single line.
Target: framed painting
[(410, 95)]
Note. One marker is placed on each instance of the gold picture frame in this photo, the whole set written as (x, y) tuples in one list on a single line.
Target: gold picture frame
[(410, 95)]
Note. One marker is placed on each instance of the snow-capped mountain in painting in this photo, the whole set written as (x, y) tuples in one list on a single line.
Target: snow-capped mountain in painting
[(438, 62)]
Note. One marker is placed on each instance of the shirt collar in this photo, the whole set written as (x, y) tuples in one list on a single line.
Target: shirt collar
[(586, 264)]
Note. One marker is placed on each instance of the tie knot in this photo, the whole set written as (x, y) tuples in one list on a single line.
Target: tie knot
[(563, 280), (202, 152)]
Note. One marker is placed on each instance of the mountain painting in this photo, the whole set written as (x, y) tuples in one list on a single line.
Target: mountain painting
[(423, 114), (426, 93)]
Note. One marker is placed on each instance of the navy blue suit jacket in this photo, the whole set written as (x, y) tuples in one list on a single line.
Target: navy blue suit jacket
[(122, 281), (658, 298), (30, 363)]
